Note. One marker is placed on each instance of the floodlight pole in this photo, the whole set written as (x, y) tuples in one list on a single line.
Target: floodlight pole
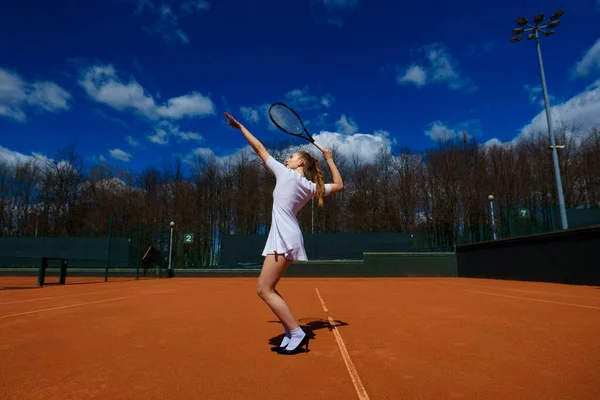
[(535, 33), (170, 270), (491, 199), (559, 188)]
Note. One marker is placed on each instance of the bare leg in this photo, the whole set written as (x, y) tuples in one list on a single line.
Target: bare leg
[(273, 269)]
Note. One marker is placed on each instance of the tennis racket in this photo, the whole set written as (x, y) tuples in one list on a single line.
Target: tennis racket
[(288, 120)]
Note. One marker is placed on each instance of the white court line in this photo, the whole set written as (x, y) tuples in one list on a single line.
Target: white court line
[(524, 290), (67, 295), (83, 304), (358, 385), (528, 298), (321, 299)]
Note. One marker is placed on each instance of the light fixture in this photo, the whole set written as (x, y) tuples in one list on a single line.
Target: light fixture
[(531, 37), (538, 18), (553, 24), (548, 33), (557, 15), (522, 21), (517, 31), (515, 39)]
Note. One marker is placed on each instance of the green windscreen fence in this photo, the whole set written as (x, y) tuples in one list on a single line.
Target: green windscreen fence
[(81, 252), (237, 249)]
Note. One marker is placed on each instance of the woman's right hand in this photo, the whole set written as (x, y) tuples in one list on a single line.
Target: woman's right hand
[(232, 121)]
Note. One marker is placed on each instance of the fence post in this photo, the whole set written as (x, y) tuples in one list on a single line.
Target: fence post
[(139, 253), (110, 224)]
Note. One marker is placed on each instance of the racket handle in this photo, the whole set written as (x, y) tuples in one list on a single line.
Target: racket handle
[(317, 146)]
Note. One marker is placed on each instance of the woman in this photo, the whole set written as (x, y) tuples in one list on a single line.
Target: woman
[(285, 243)]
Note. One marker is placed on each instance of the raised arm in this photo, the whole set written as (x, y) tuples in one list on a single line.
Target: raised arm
[(338, 183), (254, 142)]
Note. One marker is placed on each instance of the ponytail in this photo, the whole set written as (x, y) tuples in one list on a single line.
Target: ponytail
[(312, 171), (320, 183)]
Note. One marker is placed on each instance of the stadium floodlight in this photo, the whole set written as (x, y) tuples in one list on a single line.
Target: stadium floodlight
[(554, 24), (538, 18), (557, 15), (533, 33)]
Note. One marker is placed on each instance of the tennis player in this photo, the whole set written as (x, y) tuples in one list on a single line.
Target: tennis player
[(296, 183)]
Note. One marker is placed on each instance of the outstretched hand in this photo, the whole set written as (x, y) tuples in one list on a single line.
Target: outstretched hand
[(232, 121), (327, 154)]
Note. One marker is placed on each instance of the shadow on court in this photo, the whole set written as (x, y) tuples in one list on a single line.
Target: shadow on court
[(18, 287), (309, 326)]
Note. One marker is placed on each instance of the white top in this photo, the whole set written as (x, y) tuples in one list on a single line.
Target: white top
[(292, 192)]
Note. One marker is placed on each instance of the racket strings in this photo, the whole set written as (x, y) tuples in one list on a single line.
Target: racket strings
[(287, 120)]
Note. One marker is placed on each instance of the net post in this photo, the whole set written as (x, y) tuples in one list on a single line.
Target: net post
[(110, 223), (42, 272), (139, 252), (63, 271)]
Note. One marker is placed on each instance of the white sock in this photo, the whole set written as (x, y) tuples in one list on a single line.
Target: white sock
[(286, 338), (297, 336)]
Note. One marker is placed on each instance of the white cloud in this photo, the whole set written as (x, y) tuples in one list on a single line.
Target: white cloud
[(48, 96), (589, 63), (119, 154), (255, 113), (103, 85), (13, 158), (437, 65), (168, 17), (536, 95), (302, 99), (413, 74), (438, 130), (346, 126), (582, 110), (250, 114), (159, 136), (132, 141), (16, 95), (164, 129), (493, 143), (207, 153), (362, 145), (203, 152)]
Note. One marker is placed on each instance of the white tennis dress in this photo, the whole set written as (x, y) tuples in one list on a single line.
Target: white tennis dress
[(292, 192)]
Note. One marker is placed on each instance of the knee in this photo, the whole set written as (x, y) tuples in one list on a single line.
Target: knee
[(262, 290)]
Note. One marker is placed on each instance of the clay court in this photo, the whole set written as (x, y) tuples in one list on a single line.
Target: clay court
[(371, 338)]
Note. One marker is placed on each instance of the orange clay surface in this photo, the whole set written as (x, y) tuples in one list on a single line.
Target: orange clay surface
[(210, 338)]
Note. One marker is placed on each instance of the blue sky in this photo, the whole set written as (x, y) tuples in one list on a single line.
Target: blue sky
[(135, 82)]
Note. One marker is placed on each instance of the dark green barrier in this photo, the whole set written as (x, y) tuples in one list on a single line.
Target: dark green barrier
[(569, 256), (409, 264), (81, 252), (319, 246), (374, 265)]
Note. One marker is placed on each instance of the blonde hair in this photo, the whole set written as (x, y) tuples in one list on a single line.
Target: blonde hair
[(312, 172)]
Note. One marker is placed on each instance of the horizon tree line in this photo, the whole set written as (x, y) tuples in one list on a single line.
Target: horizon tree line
[(440, 195)]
